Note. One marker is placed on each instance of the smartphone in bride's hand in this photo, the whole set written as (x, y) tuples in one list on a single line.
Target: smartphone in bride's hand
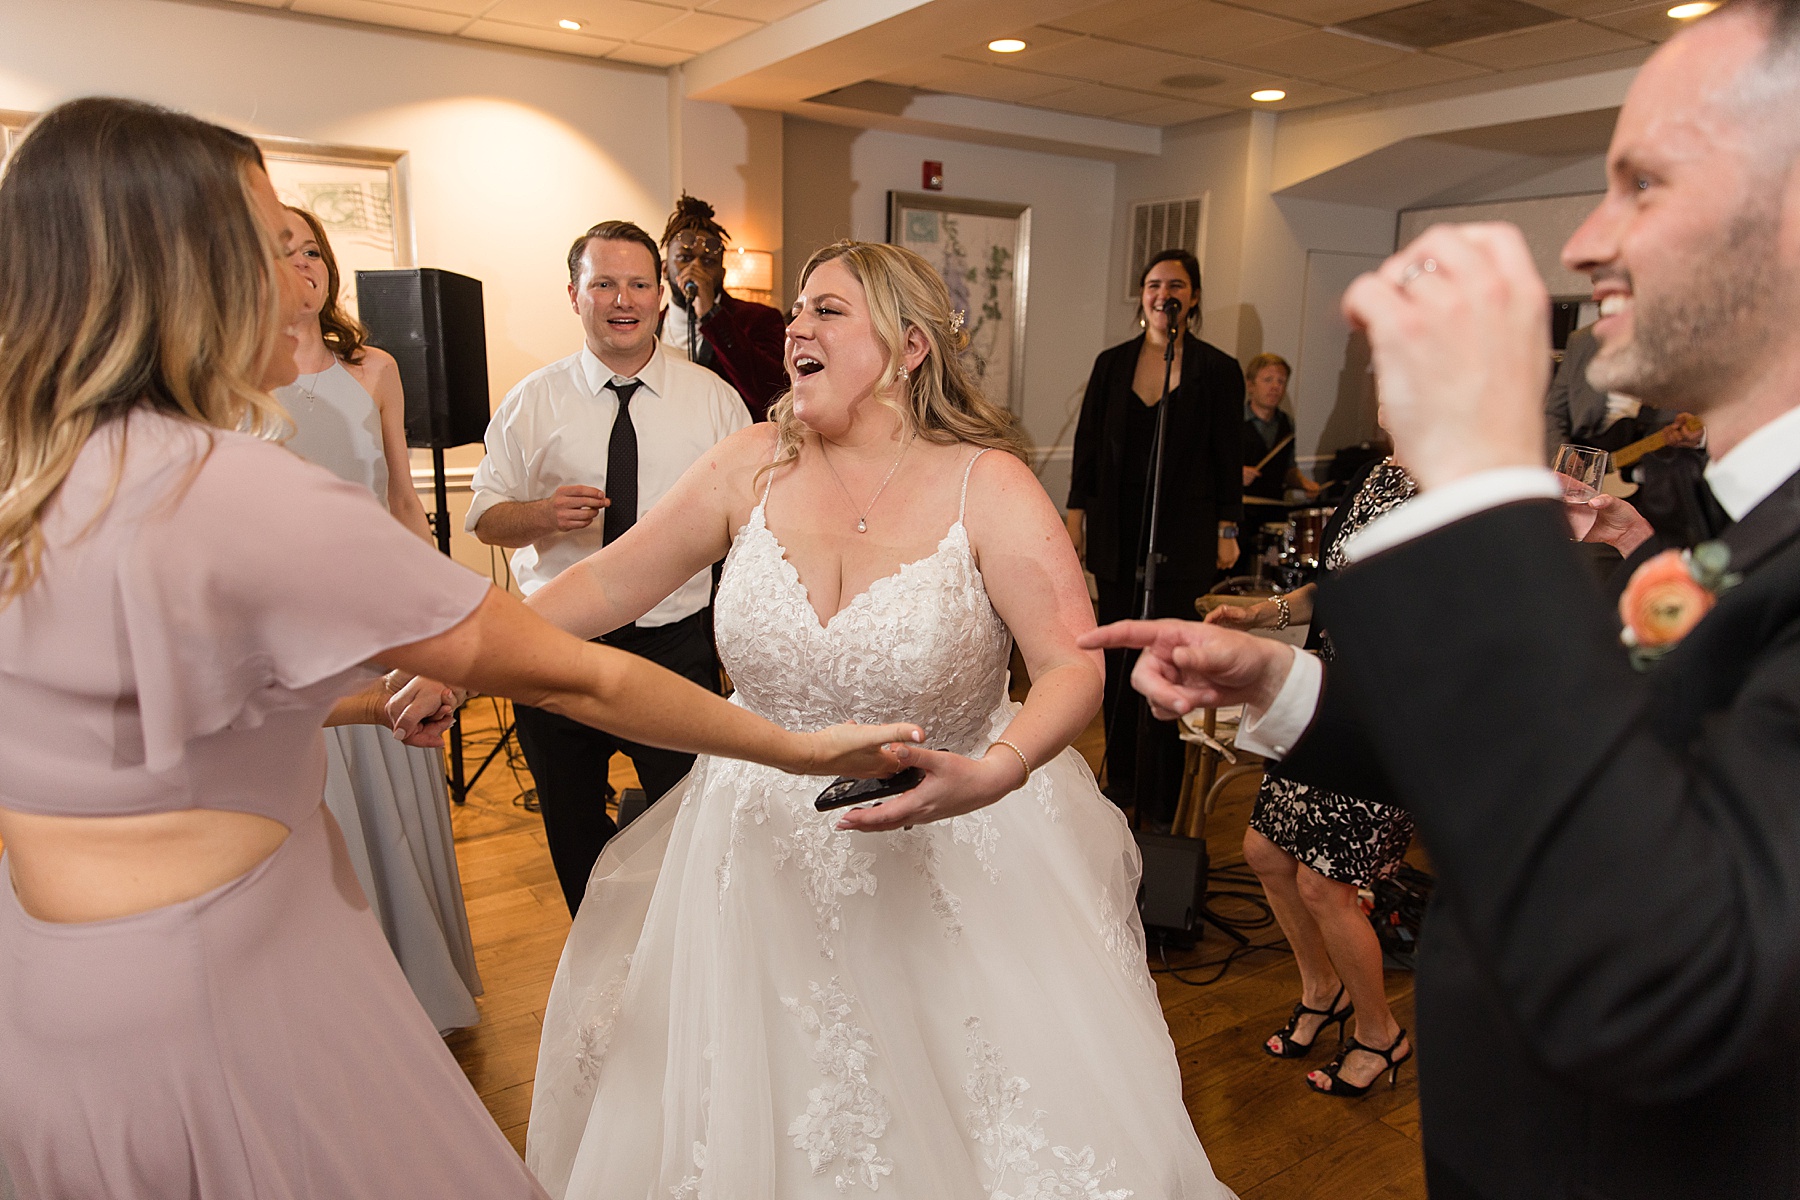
[(847, 792)]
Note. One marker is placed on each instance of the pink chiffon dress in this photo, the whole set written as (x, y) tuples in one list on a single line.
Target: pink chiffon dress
[(180, 649)]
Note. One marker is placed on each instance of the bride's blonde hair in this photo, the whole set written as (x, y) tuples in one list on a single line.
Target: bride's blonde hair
[(133, 273), (941, 401)]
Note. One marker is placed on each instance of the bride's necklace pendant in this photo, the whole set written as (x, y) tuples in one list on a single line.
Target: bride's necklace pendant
[(862, 518)]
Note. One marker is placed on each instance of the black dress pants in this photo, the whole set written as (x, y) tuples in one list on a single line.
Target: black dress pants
[(1144, 756), (568, 760)]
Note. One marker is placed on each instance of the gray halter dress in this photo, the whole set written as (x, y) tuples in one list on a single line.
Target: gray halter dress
[(389, 799)]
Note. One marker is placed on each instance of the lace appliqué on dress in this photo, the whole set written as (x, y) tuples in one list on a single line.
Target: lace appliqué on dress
[(845, 1115), (1010, 1149), (927, 857), (831, 868), (689, 1187), (752, 805), (1124, 943), (977, 829), (594, 1038)]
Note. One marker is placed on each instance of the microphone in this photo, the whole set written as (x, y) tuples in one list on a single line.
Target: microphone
[(691, 288), (1171, 307)]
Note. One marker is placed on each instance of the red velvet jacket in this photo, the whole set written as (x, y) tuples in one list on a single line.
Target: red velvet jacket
[(747, 341)]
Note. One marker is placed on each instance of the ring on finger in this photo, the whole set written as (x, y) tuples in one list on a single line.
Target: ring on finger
[(1414, 270)]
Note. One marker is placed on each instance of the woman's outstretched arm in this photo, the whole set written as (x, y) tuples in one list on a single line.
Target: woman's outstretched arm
[(505, 649)]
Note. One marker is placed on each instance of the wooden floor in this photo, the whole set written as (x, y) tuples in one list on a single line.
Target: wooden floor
[(1269, 1137)]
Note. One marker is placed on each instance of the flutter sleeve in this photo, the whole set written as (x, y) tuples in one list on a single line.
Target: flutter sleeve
[(262, 582)]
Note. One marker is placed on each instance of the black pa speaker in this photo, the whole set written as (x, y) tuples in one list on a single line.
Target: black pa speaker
[(1172, 896), (431, 322)]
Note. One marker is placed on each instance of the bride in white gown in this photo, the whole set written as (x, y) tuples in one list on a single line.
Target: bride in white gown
[(941, 997)]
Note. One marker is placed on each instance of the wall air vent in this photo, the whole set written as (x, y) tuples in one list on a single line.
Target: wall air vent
[(1441, 22), (1164, 225)]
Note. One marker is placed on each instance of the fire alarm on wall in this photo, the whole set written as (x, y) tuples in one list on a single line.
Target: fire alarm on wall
[(933, 177)]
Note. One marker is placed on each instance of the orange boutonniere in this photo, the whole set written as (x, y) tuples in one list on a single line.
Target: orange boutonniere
[(1668, 595)]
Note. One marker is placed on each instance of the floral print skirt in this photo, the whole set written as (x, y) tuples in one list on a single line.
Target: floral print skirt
[(1341, 837)]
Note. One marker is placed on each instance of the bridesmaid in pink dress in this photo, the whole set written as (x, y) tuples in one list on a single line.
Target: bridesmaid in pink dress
[(195, 1000)]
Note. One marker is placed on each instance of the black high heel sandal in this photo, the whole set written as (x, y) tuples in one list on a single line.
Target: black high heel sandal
[(1341, 1087), (1333, 1016)]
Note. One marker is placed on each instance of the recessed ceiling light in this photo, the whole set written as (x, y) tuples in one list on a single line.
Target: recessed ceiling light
[(568, 24), (1006, 45), (1269, 95), (1687, 12)]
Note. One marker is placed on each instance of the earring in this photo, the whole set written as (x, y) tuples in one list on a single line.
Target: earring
[(1142, 324), (903, 375)]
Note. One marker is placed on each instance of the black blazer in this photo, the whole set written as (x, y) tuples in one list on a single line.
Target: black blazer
[(1609, 979), (1202, 475)]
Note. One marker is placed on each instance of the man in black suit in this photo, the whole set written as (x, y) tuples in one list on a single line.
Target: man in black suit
[(1609, 984)]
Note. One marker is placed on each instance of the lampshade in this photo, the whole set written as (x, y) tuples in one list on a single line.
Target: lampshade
[(749, 270)]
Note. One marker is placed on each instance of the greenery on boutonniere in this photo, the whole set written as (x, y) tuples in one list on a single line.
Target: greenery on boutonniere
[(1668, 595)]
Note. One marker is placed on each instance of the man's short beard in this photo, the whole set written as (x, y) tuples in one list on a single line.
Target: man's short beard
[(1689, 344)]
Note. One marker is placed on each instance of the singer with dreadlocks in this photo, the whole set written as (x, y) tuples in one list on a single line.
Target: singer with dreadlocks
[(740, 340)]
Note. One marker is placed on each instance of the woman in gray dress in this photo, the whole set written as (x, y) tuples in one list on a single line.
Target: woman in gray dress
[(194, 998), (389, 799)]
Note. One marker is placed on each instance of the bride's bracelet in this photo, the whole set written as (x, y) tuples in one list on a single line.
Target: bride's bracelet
[(1023, 761)]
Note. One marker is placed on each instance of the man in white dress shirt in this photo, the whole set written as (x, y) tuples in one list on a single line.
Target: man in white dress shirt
[(576, 453), (1609, 977)]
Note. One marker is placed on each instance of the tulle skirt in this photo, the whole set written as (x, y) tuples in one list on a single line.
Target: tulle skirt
[(754, 1005)]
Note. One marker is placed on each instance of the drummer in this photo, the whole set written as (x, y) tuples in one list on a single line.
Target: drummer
[(1269, 468)]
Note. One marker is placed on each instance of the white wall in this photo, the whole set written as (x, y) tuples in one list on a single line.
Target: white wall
[(509, 154), (836, 184)]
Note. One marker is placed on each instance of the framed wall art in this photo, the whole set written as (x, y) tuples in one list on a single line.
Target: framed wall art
[(982, 249)]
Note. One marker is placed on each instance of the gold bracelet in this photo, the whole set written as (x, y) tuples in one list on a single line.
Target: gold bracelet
[(1023, 761)]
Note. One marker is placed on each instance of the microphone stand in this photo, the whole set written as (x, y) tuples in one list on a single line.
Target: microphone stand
[(1153, 496)]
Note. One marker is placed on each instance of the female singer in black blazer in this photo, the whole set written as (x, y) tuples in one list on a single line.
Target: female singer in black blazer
[(1201, 504)]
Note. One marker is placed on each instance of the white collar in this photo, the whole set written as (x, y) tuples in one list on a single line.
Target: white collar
[(1757, 465), (654, 376)]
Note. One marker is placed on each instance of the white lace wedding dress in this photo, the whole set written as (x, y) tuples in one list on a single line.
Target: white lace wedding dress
[(755, 1006)]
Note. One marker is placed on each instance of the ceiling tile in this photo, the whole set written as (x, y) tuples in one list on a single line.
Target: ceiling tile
[(1110, 17), (1535, 47), (540, 39), (1650, 21), (699, 32), (1174, 112), (1317, 55), (648, 56), (991, 83), (1414, 70), (758, 10), (1588, 8), (623, 20), (1096, 100), (1320, 12), (394, 15), (1208, 30), (1109, 62), (268, 3)]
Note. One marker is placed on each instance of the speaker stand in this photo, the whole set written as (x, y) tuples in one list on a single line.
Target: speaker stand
[(440, 526)]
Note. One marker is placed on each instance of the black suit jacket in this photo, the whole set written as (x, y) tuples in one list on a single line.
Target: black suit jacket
[(1202, 475), (1609, 978)]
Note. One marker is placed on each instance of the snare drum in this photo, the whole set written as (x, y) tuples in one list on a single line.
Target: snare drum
[(1307, 534)]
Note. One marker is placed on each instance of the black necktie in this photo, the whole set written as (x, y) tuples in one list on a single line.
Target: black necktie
[(621, 466)]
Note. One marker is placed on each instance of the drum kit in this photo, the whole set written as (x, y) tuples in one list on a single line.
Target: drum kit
[(1288, 552)]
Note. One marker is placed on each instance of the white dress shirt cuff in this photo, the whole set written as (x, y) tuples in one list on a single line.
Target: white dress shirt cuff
[(1273, 733), (1446, 505)]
